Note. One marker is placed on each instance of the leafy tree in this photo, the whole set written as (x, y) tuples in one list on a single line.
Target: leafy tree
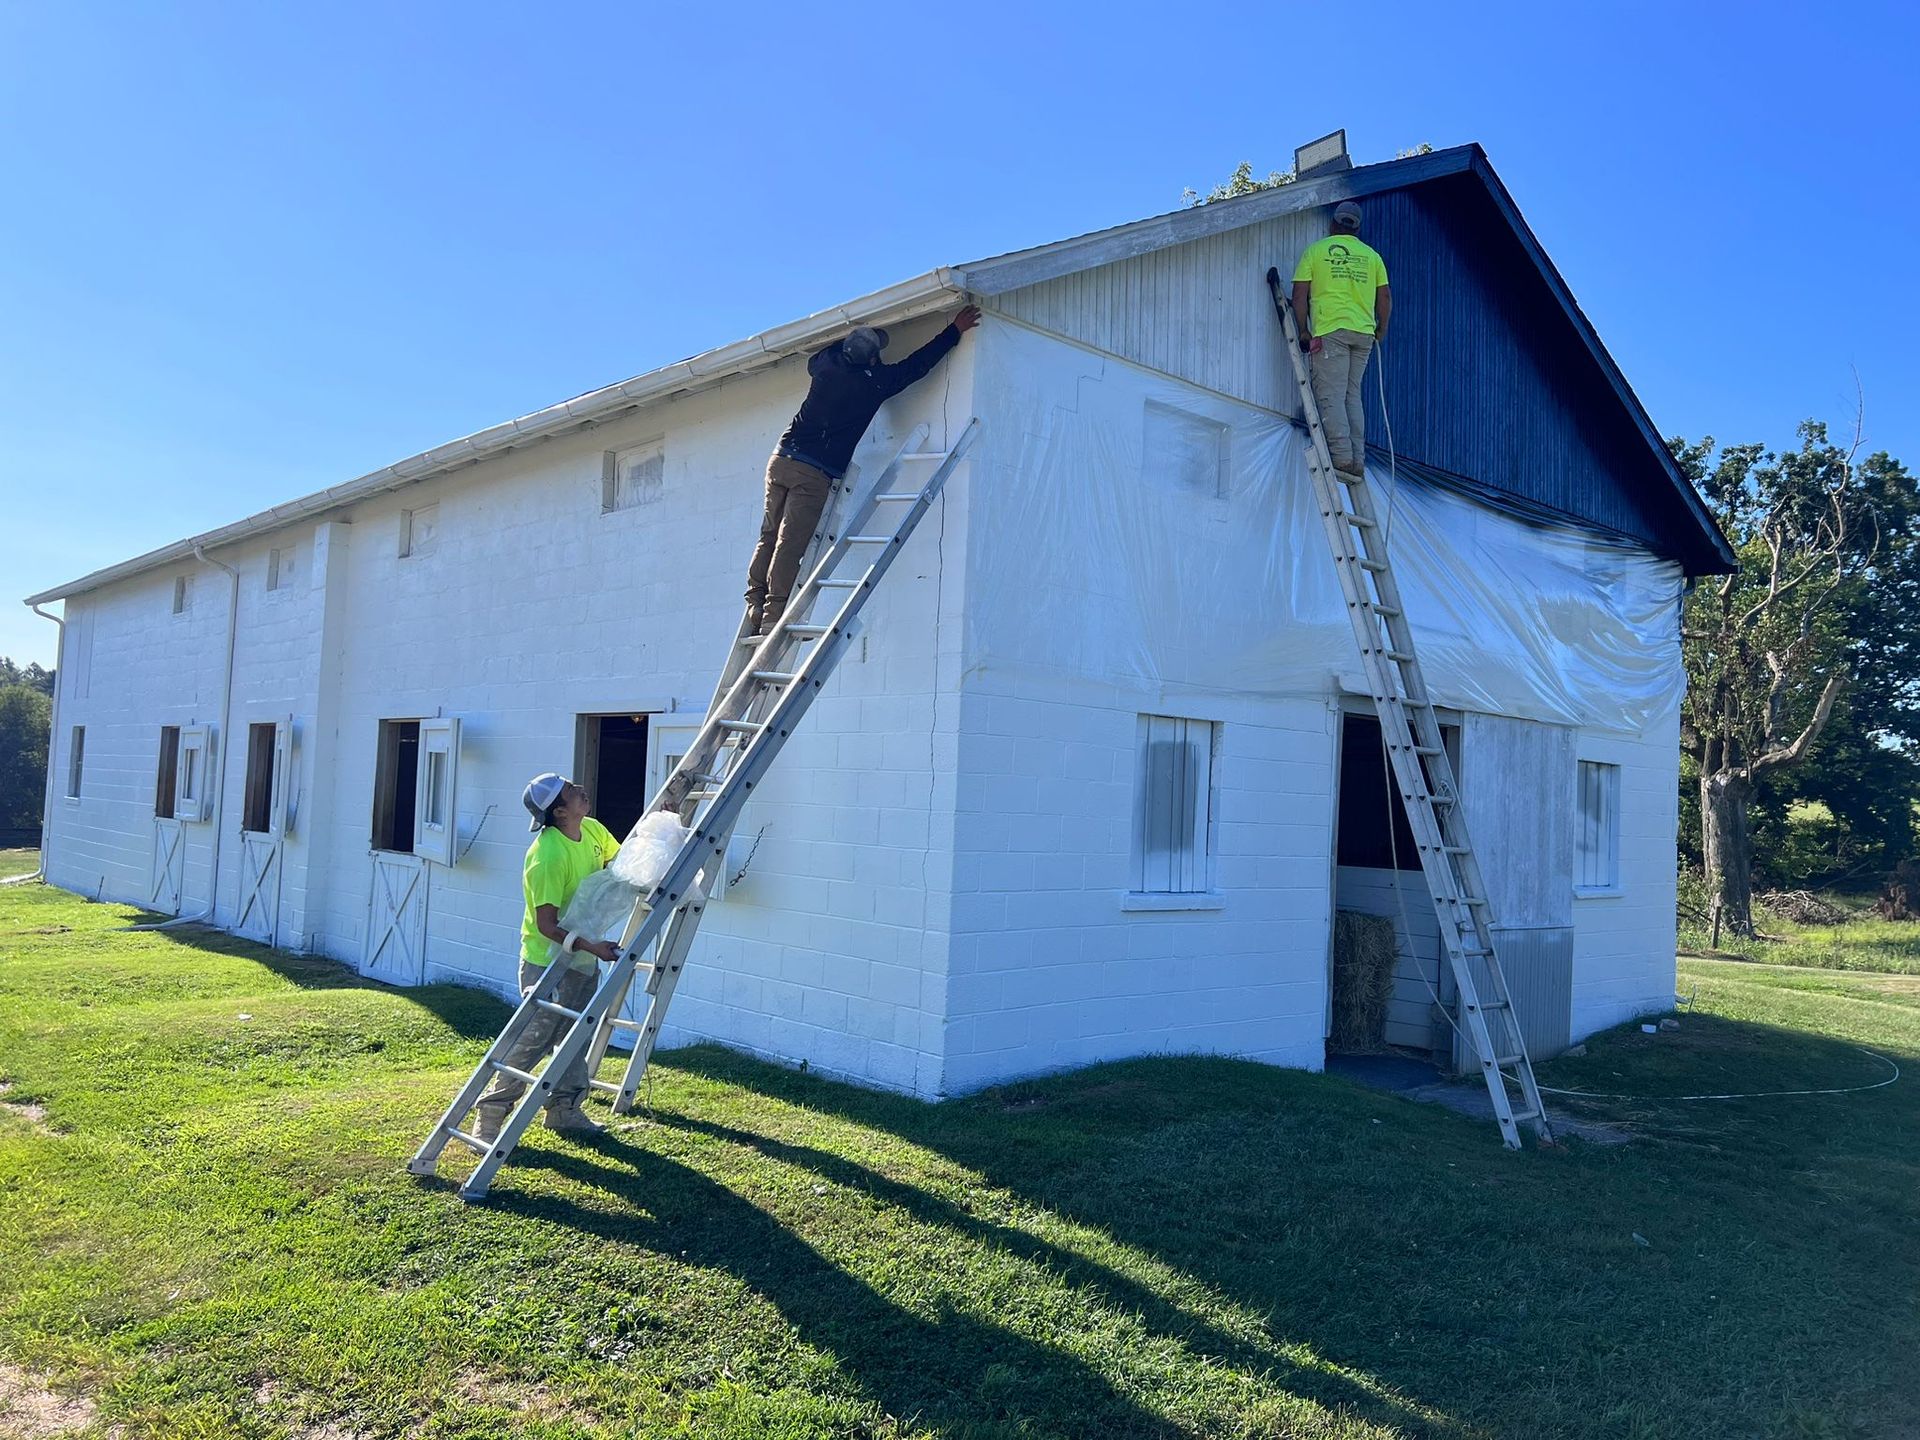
[(33, 675), (26, 716), (1829, 554), (1242, 181)]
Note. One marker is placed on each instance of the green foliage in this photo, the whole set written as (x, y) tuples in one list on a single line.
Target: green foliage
[(33, 675), (1244, 182), (206, 1228), (26, 716)]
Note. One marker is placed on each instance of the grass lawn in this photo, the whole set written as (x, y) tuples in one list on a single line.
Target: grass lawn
[(1864, 942), (18, 862), (206, 1231)]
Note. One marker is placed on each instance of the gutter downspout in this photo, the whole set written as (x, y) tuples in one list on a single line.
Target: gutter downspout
[(218, 775), (53, 730)]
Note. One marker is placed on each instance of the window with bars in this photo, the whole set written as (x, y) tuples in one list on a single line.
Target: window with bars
[(635, 477), (1597, 851), (1173, 806)]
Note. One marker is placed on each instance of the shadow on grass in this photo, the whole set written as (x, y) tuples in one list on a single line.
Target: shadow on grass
[(471, 1013), (953, 1371)]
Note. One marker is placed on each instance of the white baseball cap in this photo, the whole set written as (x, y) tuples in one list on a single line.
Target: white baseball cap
[(539, 796)]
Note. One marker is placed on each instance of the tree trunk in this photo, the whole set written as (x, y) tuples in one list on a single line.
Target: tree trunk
[(1728, 846)]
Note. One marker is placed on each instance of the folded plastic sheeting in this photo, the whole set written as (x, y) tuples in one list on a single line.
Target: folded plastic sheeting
[(600, 907), (1138, 531)]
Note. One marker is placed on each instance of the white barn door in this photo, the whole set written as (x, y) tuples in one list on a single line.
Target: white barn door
[(261, 850), (169, 865), (397, 920)]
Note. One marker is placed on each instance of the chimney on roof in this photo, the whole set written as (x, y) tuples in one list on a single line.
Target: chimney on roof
[(1322, 156)]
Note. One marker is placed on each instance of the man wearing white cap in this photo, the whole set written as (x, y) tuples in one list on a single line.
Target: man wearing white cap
[(849, 385), (1341, 304), (568, 845)]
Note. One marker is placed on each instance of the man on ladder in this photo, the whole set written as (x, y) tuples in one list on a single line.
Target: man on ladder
[(1341, 305), (849, 387), (568, 845)]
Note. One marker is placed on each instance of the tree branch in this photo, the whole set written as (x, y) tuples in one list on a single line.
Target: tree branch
[(1784, 755)]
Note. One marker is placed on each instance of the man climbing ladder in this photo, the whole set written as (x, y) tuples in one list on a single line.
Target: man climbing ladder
[(1341, 305)]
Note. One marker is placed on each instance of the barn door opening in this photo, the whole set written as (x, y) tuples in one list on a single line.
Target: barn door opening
[(1380, 1003), (397, 899), (610, 759), (169, 851), (263, 825)]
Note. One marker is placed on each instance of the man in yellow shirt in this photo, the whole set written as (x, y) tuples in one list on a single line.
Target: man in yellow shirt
[(1341, 304), (568, 845)]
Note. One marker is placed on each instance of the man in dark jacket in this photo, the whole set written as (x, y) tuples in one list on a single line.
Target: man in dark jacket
[(849, 386)]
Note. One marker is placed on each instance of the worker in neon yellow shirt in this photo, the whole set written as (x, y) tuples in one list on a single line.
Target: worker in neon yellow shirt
[(1341, 304), (568, 845)]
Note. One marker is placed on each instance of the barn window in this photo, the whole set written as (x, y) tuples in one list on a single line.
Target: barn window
[(193, 796), (182, 594), (418, 530), (281, 561), (396, 777), (631, 478), (1186, 452), (1597, 861), (257, 809), (167, 776), (76, 757), (1173, 806)]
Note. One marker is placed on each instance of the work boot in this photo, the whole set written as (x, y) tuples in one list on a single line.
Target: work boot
[(753, 617), (572, 1120)]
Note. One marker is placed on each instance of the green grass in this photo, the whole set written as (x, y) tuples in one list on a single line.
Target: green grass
[(18, 862), (207, 1229), (1864, 942)]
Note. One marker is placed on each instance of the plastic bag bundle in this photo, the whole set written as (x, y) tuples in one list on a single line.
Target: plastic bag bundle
[(647, 852), (600, 907)]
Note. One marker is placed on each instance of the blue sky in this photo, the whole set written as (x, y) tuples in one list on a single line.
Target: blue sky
[(247, 251)]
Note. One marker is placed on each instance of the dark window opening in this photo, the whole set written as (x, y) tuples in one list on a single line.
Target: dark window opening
[(166, 780), (394, 780), (256, 813), (1367, 789), (612, 764)]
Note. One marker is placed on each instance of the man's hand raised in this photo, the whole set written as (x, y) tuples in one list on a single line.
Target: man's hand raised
[(968, 317)]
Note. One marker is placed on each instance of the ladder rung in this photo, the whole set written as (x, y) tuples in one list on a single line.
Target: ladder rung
[(1428, 750), (1481, 950), (1509, 1059), (900, 495), (841, 584), (465, 1139), (742, 727), (1400, 657), (701, 794), (553, 1009), (607, 1085), (765, 677), (807, 632), (923, 455), (1521, 1117), (1485, 1005), (1458, 849), (871, 539), (1377, 566), (1392, 612), (521, 1075), (1359, 520)]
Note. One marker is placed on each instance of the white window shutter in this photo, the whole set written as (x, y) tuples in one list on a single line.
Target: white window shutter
[(282, 773), (194, 779), (433, 791)]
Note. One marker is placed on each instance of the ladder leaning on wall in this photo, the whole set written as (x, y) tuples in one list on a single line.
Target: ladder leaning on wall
[(766, 686), (1410, 729)]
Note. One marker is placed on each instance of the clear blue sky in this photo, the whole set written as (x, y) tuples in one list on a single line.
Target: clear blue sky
[(247, 251)]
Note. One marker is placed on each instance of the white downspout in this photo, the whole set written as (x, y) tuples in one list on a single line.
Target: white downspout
[(53, 732), (217, 777)]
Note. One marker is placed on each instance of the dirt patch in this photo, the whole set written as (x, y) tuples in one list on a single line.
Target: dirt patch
[(30, 1411), (530, 1400), (34, 1114)]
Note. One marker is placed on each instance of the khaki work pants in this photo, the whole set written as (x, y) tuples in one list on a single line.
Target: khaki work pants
[(796, 494), (543, 1032), (1337, 370)]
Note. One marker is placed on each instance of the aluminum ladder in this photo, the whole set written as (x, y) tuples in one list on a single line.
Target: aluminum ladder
[(767, 685), (1422, 772)]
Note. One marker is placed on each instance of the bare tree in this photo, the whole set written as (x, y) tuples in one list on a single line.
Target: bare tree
[(1768, 648)]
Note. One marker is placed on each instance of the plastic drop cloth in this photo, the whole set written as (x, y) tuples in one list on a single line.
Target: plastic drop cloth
[(1138, 531), (600, 907)]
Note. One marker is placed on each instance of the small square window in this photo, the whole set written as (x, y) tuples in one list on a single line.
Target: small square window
[(631, 478), (1597, 858), (281, 563), (418, 530), (182, 594), (1186, 452), (1173, 806)]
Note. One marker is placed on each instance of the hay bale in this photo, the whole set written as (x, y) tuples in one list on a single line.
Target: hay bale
[(1364, 954)]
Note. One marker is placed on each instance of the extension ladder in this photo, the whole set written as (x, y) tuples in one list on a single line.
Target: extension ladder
[(767, 685), (1411, 732)]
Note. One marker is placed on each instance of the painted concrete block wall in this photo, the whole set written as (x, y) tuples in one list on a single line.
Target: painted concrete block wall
[(1623, 945), (533, 607)]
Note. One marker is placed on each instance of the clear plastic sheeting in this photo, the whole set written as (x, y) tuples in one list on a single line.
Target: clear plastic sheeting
[(1152, 535), (600, 907)]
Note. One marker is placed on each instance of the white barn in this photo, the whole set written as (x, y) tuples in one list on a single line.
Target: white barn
[(1098, 771)]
